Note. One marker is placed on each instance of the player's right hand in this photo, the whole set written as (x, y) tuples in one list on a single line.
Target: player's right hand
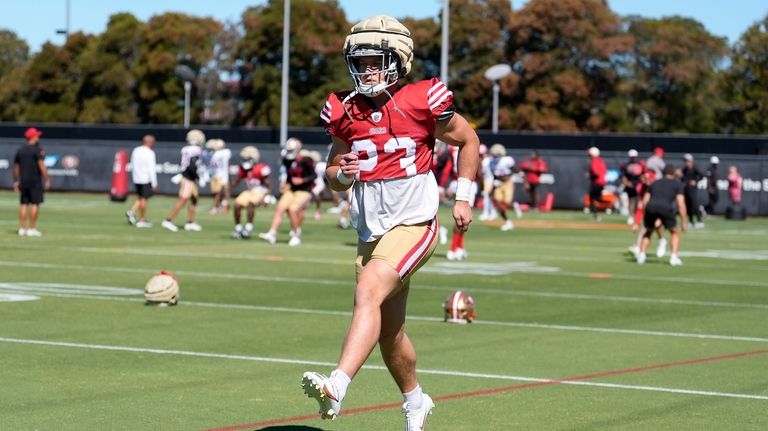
[(350, 164)]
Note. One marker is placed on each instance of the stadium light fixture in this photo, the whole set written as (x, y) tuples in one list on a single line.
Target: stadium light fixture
[(495, 73)]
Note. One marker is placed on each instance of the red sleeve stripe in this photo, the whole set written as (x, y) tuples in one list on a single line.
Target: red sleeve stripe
[(325, 114), (419, 251)]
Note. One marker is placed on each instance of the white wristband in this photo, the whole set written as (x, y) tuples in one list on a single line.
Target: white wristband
[(343, 179), (463, 189)]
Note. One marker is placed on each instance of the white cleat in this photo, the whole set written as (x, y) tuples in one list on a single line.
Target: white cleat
[(34, 232), (169, 225), (640, 258), (461, 254), (193, 227), (320, 388), (131, 217), (416, 419), (294, 241), (661, 250), (508, 225), (450, 255), (268, 237), (635, 250), (143, 224), (675, 261), (22, 231)]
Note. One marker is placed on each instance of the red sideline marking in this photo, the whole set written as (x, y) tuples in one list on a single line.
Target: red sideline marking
[(502, 389)]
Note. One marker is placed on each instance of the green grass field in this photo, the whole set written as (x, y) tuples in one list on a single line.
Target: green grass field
[(572, 334)]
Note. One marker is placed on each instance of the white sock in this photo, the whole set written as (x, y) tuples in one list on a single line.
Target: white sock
[(341, 380), (238, 227), (249, 227), (272, 232), (413, 398)]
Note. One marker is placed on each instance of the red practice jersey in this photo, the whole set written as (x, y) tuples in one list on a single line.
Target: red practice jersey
[(396, 140), (255, 176)]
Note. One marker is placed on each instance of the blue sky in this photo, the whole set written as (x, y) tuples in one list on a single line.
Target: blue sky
[(36, 21)]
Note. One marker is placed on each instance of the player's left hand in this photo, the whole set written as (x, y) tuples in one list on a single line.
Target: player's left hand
[(462, 213)]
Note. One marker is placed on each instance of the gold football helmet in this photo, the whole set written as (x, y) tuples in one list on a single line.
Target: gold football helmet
[(378, 36)]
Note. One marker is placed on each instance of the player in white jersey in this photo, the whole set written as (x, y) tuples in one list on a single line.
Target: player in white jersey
[(383, 138), (218, 169), (489, 210), (504, 188), (191, 155)]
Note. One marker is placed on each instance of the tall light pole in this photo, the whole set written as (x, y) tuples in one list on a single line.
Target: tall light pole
[(65, 31), (495, 73), (286, 67), (187, 75), (444, 46)]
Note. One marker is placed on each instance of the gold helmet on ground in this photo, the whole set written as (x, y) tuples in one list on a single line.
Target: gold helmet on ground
[(162, 289)]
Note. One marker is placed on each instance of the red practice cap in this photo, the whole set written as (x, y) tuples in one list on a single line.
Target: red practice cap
[(658, 151), (32, 133)]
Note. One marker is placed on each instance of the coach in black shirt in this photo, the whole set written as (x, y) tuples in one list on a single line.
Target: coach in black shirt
[(30, 179), (659, 203)]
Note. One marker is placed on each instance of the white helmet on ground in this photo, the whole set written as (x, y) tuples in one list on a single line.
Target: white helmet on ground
[(162, 289), (381, 36), (195, 137)]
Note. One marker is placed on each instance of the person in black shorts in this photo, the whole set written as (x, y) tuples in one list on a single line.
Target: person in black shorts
[(30, 179), (659, 203)]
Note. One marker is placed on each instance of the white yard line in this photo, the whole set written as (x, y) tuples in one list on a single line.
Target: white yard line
[(444, 288), (290, 361), (261, 308)]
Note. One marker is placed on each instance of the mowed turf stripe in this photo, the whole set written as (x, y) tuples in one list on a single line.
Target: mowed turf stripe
[(581, 380), (346, 282), (422, 318)]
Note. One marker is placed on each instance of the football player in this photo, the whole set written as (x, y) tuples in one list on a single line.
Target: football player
[(297, 192), (504, 191), (257, 187), (383, 138), (218, 165), (191, 155)]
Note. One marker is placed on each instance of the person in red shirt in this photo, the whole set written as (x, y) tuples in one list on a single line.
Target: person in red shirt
[(533, 168), (596, 174)]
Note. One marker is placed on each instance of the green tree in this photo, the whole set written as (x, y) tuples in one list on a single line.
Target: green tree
[(672, 81), (477, 39), (746, 82), (108, 90), (566, 56), (317, 67), (54, 79), (14, 54), (171, 39)]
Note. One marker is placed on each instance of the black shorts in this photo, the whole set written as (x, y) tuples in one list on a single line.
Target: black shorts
[(31, 195), (144, 190), (667, 217), (631, 191)]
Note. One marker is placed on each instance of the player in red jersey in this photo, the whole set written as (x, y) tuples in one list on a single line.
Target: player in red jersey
[(383, 139), (257, 187)]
